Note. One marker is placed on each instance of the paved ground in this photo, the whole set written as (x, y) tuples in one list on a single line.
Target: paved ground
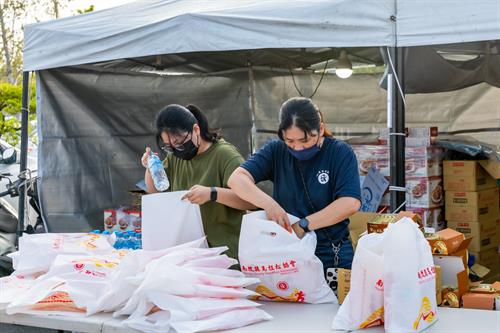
[(5, 328)]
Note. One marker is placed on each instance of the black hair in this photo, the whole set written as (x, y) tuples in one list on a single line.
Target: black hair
[(176, 119), (302, 113)]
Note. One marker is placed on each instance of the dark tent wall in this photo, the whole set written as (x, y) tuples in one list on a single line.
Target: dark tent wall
[(92, 134)]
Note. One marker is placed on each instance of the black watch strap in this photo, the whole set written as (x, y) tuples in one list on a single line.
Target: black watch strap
[(304, 224), (213, 194)]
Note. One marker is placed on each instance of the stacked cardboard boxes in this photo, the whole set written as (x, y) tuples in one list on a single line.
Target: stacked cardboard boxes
[(472, 208), (424, 170)]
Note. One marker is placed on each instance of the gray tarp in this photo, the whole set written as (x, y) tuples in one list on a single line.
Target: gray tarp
[(153, 27), (92, 134)]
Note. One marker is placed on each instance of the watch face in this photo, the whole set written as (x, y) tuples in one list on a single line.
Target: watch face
[(303, 224)]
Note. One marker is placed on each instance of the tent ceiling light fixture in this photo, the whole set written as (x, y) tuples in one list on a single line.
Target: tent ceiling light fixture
[(343, 67)]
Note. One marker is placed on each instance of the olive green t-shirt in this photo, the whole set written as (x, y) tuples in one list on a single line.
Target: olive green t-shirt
[(211, 168)]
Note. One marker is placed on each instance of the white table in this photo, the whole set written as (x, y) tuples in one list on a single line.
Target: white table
[(287, 318)]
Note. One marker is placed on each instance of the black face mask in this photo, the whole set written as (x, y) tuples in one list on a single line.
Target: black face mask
[(190, 150)]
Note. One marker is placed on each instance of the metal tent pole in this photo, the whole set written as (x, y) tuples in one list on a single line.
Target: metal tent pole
[(397, 130), (24, 149)]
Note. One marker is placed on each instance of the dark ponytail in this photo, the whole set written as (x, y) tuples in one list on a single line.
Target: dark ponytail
[(301, 113), (176, 119), (206, 132)]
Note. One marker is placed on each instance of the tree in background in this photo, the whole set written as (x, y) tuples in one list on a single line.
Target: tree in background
[(89, 9), (10, 107), (12, 12), (54, 6)]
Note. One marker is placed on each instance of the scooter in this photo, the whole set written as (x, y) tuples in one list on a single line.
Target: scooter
[(8, 213)]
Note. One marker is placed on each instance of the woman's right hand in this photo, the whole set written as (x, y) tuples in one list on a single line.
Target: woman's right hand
[(145, 157), (277, 214)]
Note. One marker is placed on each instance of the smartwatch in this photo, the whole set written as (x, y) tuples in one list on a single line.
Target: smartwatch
[(213, 194), (304, 224)]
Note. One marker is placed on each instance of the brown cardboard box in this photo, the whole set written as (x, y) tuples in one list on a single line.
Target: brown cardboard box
[(478, 301), (452, 240), (379, 223), (483, 234), (472, 206), (344, 284), (466, 176), (439, 285), (357, 225), (492, 167)]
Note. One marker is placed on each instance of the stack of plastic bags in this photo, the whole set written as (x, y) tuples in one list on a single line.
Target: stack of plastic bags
[(186, 287), (392, 282)]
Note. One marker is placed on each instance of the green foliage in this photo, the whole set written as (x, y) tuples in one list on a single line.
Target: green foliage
[(10, 112), (89, 9)]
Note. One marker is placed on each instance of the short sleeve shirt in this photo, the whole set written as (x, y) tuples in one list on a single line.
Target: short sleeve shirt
[(331, 174), (212, 168)]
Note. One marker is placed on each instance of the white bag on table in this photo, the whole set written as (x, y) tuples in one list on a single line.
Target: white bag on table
[(168, 221), (119, 289), (14, 285), (364, 305), (287, 267), (409, 279), (179, 309), (38, 251)]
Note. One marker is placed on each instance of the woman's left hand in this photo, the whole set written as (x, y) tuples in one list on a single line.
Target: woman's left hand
[(198, 194)]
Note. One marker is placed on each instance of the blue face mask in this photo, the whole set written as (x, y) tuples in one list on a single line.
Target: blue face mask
[(304, 154)]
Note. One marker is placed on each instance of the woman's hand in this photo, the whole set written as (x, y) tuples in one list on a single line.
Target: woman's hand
[(277, 214), (298, 230), (198, 194), (145, 157)]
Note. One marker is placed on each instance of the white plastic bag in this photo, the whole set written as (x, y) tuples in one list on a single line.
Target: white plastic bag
[(223, 321), (409, 279), (175, 309), (167, 220), (119, 289), (49, 296), (38, 251), (286, 265), (14, 285), (364, 305), (162, 276)]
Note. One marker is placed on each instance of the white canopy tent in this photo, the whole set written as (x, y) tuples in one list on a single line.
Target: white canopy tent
[(102, 76)]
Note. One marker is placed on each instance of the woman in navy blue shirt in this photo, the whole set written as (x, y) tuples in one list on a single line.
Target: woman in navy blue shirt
[(315, 178)]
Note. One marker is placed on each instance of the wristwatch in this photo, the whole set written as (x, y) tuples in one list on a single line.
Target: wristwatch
[(213, 194), (304, 224)]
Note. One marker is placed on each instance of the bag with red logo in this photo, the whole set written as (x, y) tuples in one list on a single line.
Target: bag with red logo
[(38, 251), (409, 278), (364, 305), (287, 267)]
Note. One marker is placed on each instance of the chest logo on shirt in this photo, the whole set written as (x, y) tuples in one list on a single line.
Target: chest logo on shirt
[(323, 176)]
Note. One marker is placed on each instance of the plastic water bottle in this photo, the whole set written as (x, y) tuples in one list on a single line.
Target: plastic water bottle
[(139, 240), (119, 244), (96, 232), (157, 172), (133, 241), (126, 240)]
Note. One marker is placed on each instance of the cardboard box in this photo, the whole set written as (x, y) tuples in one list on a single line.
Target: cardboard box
[(439, 285), (122, 219), (478, 301), (420, 161), (344, 283), (431, 217), (424, 192), (357, 225), (466, 176), (492, 167), (472, 206), (483, 234), (379, 223)]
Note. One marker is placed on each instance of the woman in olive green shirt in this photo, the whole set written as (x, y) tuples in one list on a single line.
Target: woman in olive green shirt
[(201, 162)]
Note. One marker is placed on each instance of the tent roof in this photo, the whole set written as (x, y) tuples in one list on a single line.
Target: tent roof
[(158, 27)]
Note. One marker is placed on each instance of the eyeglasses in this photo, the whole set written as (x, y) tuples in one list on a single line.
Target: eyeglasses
[(179, 147)]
